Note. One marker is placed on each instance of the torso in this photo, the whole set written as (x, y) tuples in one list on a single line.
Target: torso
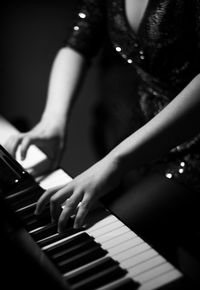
[(135, 10), (159, 39)]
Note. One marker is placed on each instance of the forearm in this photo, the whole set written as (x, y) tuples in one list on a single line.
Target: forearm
[(65, 79), (177, 122)]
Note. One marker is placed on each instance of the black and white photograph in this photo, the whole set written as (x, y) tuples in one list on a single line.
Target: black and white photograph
[(100, 145)]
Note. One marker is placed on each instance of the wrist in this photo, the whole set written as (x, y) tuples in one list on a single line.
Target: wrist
[(118, 162), (53, 125), (54, 118), (123, 162)]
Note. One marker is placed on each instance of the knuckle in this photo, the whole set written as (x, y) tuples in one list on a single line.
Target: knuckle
[(17, 137), (70, 203), (27, 139), (48, 193), (53, 200), (85, 205)]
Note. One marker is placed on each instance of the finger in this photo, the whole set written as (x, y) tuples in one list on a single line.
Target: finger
[(44, 199), (40, 169), (82, 212), (24, 146), (58, 199), (68, 210), (13, 143)]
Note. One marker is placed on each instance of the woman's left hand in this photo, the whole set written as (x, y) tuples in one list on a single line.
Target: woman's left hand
[(85, 189)]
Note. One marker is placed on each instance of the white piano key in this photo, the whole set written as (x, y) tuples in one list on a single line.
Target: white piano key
[(128, 245), (154, 272), (121, 237), (111, 236), (54, 235), (34, 156), (137, 259), (146, 265), (161, 280), (102, 223), (150, 279), (106, 229), (55, 178), (131, 252)]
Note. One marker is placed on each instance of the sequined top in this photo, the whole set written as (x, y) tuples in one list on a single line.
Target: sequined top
[(165, 53)]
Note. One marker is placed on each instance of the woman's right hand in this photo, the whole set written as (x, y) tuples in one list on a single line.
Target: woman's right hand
[(49, 136)]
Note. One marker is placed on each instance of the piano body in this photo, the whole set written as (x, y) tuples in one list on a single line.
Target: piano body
[(106, 254)]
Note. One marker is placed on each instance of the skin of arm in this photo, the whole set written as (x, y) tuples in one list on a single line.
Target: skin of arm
[(177, 122), (65, 78), (50, 133)]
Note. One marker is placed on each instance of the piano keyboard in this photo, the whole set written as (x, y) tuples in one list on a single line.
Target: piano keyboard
[(105, 255)]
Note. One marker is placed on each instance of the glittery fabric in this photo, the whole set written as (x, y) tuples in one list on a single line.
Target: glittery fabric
[(165, 55), (88, 28)]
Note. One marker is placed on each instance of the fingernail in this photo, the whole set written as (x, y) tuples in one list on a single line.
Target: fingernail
[(77, 226)]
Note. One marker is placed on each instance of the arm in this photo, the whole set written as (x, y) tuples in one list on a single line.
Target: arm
[(50, 133), (65, 79), (177, 122), (66, 74)]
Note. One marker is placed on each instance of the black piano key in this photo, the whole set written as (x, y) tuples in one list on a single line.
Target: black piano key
[(100, 278), (35, 222), (24, 202), (28, 217), (81, 259), (30, 197), (24, 192), (27, 211), (126, 283), (57, 237), (31, 221), (87, 272), (45, 231), (66, 244), (26, 214), (73, 251), (48, 229)]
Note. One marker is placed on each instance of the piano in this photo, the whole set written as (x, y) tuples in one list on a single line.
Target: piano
[(106, 254)]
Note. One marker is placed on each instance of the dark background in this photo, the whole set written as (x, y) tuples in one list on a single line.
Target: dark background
[(31, 34)]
